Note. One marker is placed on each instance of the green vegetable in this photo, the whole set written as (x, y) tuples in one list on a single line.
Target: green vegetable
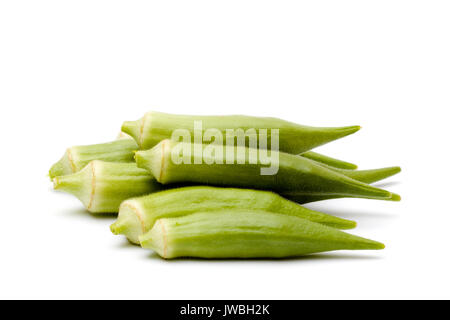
[(300, 197), (293, 138), (102, 186), (295, 174), (128, 186), (76, 158), (119, 151), (122, 150), (367, 176), (246, 234), (321, 158), (329, 161), (137, 216)]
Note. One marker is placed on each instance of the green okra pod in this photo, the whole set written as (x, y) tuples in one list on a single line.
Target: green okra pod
[(101, 186), (76, 158), (321, 158), (246, 234), (367, 176), (293, 138), (137, 216), (332, 162), (294, 173), (118, 152), (122, 150)]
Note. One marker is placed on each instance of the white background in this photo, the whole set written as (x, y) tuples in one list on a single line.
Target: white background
[(72, 71)]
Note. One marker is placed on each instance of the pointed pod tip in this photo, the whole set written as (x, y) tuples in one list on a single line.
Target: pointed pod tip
[(394, 170), (375, 245), (351, 129), (372, 245), (395, 197), (340, 132), (341, 224), (351, 225)]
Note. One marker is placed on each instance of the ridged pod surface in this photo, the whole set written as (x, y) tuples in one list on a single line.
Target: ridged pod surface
[(295, 174), (246, 234), (333, 162), (366, 176), (293, 138), (137, 216), (122, 150)]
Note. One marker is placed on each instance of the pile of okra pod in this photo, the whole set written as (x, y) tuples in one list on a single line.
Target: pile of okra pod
[(208, 207)]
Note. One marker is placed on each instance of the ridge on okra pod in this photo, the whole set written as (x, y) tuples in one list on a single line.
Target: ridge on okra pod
[(239, 233), (137, 216), (294, 175), (293, 138), (332, 162), (122, 150), (321, 158), (116, 182), (366, 176)]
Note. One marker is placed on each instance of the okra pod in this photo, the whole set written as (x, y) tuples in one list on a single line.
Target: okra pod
[(367, 176), (336, 163), (246, 234), (294, 173), (318, 157), (76, 158), (137, 216), (102, 186), (293, 138), (113, 152), (122, 150)]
